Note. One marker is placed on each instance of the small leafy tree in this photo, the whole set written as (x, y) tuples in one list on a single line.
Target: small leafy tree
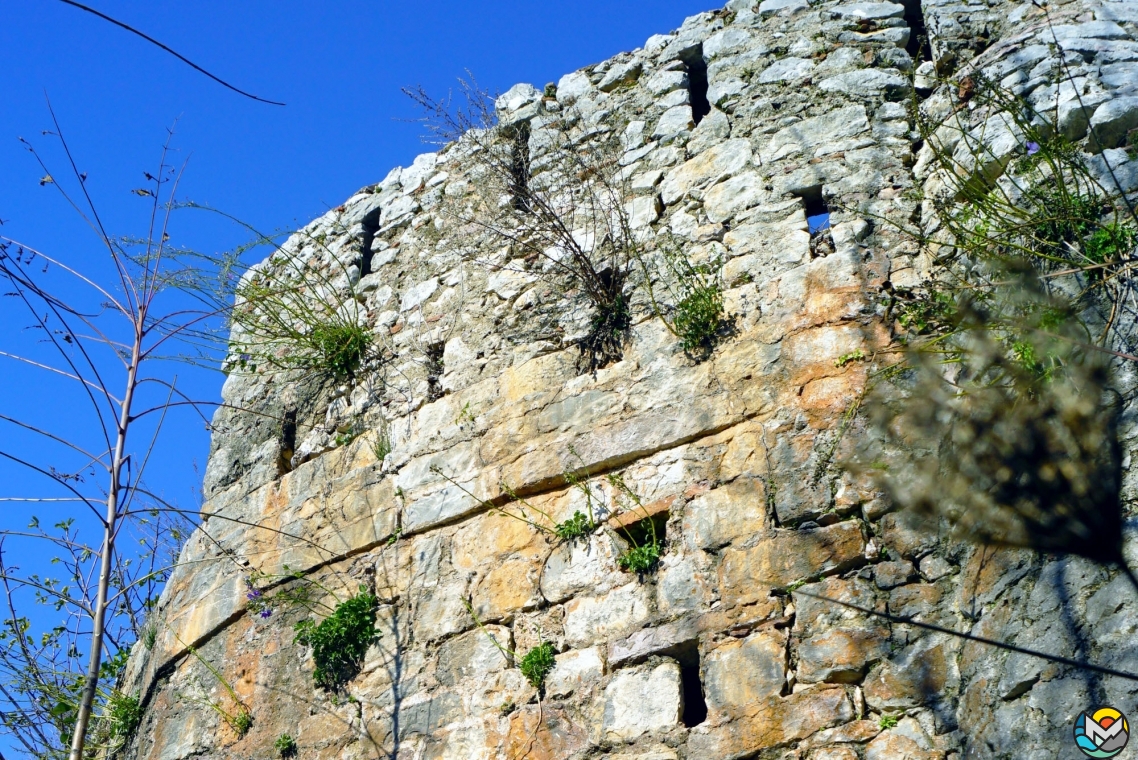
[(106, 327)]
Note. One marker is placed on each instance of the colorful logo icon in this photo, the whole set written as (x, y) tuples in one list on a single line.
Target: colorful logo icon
[(1103, 733)]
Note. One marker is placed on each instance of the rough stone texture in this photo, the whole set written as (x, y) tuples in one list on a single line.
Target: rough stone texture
[(736, 453)]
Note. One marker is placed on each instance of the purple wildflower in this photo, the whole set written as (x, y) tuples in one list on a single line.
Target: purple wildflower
[(266, 613), (1032, 148), (254, 594)]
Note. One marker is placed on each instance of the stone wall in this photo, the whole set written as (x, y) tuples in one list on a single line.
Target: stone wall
[(709, 656)]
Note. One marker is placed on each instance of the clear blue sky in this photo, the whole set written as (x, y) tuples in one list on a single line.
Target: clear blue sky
[(338, 65)]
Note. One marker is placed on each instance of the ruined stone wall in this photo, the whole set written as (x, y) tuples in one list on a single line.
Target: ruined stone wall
[(708, 657)]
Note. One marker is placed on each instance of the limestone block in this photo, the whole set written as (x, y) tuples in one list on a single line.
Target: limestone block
[(508, 587), (732, 511), (621, 75), (869, 10), (663, 82), (816, 615), (473, 654), (509, 282), (887, 575), (867, 83), (908, 534), (834, 753), (730, 40), (674, 121), (593, 619), (744, 673), (572, 86), (920, 675), (786, 70), (771, 7), (721, 161), (1112, 121), (423, 714), (440, 611), (668, 640), (894, 746), (841, 655), (773, 722), (642, 699), (714, 129), (542, 732), (575, 669), (728, 198), (581, 565), (785, 556), (642, 211), (673, 99), (683, 584)]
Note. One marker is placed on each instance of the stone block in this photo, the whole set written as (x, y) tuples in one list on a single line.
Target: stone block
[(736, 510), (743, 673), (642, 699), (1111, 122), (575, 669), (473, 654), (722, 161), (617, 613), (889, 575), (894, 746), (773, 722), (543, 733), (841, 655), (867, 83), (785, 556), (667, 640)]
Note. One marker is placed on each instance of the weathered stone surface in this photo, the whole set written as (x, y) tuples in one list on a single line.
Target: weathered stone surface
[(740, 452), (789, 556), (774, 722), (575, 669), (732, 511), (1112, 121), (593, 619), (867, 83), (722, 161), (741, 674), (841, 655), (667, 639), (894, 746), (643, 699)]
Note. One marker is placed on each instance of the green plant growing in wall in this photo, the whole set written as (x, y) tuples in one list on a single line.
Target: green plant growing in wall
[(240, 718), (695, 311), (340, 641), (537, 663), (382, 445), (124, 713), (302, 314), (285, 746), (645, 544)]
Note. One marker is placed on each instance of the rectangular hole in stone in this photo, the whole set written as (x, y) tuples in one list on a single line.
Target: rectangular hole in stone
[(435, 371), (519, 166), (696, 69), (638, 532), (695, 706), (287, 442), (817, 212), (370, 224), (918, 44)]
